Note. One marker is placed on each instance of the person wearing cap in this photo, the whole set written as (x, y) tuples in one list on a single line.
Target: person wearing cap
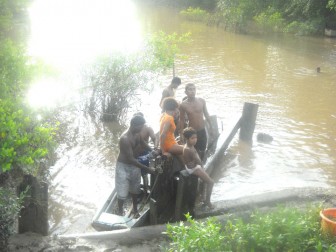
[(128, 168)]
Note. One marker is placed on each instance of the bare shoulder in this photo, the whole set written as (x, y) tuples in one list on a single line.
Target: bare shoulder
[(200, 100), (124, 139), (183, 104), (149, 129)]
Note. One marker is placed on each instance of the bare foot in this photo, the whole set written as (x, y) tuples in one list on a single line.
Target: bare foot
[(136, 215)]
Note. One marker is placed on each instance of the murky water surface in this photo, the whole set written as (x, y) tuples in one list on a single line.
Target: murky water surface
[(296, 104)]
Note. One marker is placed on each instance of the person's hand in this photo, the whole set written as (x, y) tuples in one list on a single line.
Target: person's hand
[(167, 154), (151, 170)]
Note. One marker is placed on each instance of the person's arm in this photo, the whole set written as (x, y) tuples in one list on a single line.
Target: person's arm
[(126, 149), (165, 94), (207, 116), (182, 121), (188, 158), (163, 135), (152, 137), (145, 144)]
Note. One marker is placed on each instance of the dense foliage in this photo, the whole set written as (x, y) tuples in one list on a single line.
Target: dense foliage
[(283, 229), (10, 206), (25, 140), (297, 17), (195, 14), (195, 236)]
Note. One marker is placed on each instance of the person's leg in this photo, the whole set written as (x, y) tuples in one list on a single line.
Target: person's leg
[(201, 143), (176, 149), (120, 207), (209, 181), (121, 185), (135, 205), (134, 188), (145, 181)]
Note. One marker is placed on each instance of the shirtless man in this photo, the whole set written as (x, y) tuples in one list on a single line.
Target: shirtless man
[(145, 133), (128, 168), (171, 89), (196, 110)]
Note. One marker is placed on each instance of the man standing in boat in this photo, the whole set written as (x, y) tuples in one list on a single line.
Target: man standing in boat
[(146, 133), (196, 111), (128, 168)]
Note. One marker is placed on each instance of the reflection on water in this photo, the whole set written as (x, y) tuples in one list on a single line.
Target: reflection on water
[(296, 104)]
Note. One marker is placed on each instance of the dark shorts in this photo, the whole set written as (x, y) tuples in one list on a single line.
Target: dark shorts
[(202, 140), (144, 159)]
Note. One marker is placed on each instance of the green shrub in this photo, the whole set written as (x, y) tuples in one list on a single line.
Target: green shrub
[(165, 48), (304, 28), (195, 14), (111, 82), (195, 236), (270, 20), (10, 206), (24, 140), (282, 229)]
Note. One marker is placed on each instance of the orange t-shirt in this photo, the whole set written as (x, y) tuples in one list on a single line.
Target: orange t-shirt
[(170, 137)]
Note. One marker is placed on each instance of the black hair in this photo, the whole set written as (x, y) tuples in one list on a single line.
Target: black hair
[(138, 114), (176, 80), (188, 132), (169, 103), (189, 85), (137, 121)]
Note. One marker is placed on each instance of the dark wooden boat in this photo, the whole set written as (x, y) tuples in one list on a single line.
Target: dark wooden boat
[(159, 206)]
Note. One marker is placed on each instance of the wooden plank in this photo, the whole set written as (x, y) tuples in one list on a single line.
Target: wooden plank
[(153, 212)]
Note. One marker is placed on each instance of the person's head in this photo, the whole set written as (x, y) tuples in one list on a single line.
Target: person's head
[(138, 114), (137, 122), (190, 90), (176, 81), (190, 135), (170, 104)]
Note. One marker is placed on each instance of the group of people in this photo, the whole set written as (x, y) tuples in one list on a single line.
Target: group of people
[(186, 120)]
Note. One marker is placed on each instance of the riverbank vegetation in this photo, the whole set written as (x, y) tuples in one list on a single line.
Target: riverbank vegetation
[(259, 16), (282, 229), (25, 139), (111, 81)]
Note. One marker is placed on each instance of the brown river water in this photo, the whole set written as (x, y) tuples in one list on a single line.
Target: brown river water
[(296, 104)]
